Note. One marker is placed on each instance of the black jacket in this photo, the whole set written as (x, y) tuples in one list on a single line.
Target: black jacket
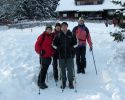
[(65, 44)]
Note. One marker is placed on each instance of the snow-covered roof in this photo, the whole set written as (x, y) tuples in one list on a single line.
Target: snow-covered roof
[(69, 5)]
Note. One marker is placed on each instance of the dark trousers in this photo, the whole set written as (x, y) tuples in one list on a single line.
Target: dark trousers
[(81, 58), (55, 66), (67, 69), (45, 62)]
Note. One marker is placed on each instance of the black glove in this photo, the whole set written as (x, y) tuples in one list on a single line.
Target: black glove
[(91, 48)]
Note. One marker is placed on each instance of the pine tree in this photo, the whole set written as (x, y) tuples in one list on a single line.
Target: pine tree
[(27, 9), (37, 8), (120, 14), (8, 8), (119, 35)]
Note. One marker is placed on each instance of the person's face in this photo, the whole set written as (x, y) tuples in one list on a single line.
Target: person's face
[(57, 28), (64, 27), (49, 30), (81, 22)]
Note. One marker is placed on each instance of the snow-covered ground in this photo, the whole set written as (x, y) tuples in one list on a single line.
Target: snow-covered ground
[(19, 67)]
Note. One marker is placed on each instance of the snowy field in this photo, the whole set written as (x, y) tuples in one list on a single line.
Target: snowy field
[(19, 67)]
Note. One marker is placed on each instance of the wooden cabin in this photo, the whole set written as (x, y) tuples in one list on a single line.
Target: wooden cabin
[(90, 9)]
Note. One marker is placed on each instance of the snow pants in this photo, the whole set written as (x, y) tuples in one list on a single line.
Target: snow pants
[(66, 69), (45, 62), (55, 66), (81, 58)]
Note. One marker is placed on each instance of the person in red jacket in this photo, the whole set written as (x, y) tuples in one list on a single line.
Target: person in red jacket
[(82, 34), (43, 48)]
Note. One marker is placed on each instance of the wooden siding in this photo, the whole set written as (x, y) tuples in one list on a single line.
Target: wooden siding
[(88, 2)]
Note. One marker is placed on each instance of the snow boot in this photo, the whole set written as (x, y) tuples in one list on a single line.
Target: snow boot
[(83, 71), (78, 71), (56, 80), (43, 86), (71, 86), (63, 85)]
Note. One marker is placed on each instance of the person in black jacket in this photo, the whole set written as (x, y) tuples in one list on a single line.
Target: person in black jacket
[(56, 55), (65, 42)]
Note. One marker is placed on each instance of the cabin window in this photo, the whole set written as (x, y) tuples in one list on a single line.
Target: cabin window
[(110, 12), (64, 15), (76, 14), (78, 2), (88, 2), (95, 2)]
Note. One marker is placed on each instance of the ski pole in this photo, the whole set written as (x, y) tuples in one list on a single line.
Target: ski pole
[(61, 78), (54, 68), (74, 78), (61, 73), (40, 60), (94, 62), (47, 77)]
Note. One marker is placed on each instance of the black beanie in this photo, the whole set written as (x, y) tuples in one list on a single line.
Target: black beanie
[(58, 24), (50, 27), (64, 23)]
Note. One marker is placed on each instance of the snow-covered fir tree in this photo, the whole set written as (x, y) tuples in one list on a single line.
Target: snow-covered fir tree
[(120, 35), (29, 9), (120, 14), (6, 9), (37, 8)]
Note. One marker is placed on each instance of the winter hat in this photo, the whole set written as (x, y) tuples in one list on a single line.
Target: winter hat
[(58, 24), (81, 18), (64, 23), (49, 26)]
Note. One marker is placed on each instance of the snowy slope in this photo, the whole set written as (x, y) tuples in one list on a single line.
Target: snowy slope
[(19, 67)]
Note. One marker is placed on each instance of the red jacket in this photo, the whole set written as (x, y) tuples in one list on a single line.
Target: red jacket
[(83, 35), (44, 44)]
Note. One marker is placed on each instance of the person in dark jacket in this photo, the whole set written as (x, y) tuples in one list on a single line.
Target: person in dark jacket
[(64, 42), (56, 54), (43, 48), (82, 35)]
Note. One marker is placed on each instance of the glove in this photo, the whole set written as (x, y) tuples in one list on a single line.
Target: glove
[(91, 48), (42, 52)]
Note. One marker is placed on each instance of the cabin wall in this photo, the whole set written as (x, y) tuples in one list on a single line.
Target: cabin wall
[(88, 2)]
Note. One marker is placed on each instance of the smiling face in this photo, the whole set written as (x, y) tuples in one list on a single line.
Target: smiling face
[(57, 28), (64, 27), (81, 22), (49, 30)]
